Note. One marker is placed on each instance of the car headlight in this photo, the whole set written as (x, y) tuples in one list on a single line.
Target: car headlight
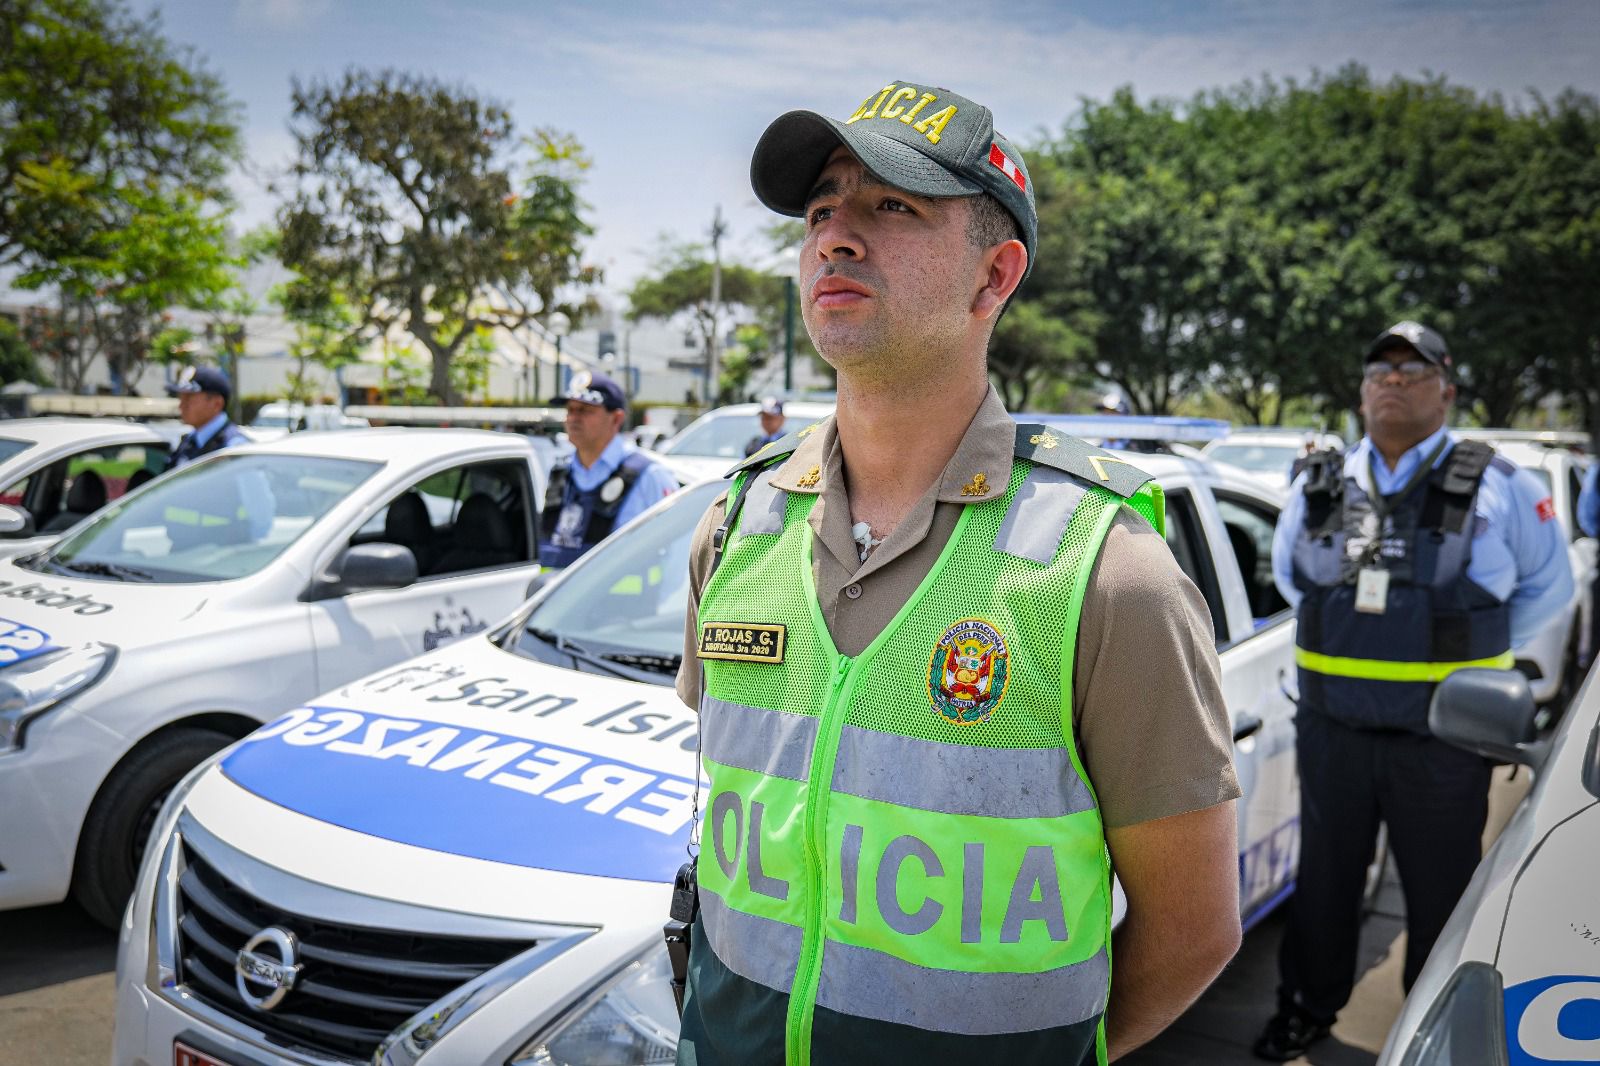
[(33, 686), (1467, 1023), (630, 1022)]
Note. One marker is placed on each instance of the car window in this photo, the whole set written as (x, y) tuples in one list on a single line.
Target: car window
[(1575, 476), (626, 601), (1257, 458), (15, 493), (1250, 527), (1188, 543), (119, 467), (726, 436), (466, 518), (10, 446), (224, 518)]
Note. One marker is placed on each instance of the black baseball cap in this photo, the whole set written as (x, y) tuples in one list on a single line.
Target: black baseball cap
[(589, 387), (1427, 343), (201, 379), (927, 141)]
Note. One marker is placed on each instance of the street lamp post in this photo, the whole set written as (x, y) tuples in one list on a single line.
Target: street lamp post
[(557, 325)]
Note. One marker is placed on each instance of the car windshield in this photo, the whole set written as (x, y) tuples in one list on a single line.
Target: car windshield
[(9, 447), (213, 521), (725, 436), (621, 608), (1258, 458)]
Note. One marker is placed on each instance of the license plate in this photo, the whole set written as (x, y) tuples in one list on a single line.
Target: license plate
[(184, 1055)]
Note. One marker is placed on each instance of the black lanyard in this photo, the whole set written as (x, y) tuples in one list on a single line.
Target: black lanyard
[(1382, 507)]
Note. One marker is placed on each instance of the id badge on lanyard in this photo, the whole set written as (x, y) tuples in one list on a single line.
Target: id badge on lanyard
[(1372, 590)]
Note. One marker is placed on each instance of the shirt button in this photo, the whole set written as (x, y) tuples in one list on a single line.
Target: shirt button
[(853, 591)]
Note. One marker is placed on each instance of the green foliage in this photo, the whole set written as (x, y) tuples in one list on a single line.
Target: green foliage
[(17, 361), (406, 206), (1251, 241)]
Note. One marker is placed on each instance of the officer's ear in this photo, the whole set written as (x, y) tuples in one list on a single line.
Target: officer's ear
[(617, 418)]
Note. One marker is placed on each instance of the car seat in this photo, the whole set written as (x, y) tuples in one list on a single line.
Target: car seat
[(482, 537), (407, 524), (86, 496)]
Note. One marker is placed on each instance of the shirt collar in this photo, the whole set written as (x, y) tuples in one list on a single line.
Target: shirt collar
[(1408, 459), (210, 429), (980, 469), (611, 456)]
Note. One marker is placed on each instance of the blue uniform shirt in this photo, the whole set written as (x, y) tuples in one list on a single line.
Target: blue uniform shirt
[(190, 443), (654, 484), (1519, 551), (1589, 503)]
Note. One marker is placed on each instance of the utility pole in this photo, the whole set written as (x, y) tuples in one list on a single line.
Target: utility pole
[(719, 229)]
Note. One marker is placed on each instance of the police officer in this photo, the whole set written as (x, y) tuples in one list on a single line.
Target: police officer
[(924, 757), (202, 393), (771, 415), (606, 482), (1410, 556)]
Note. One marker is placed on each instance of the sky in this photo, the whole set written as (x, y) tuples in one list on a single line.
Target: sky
[(670, 98)]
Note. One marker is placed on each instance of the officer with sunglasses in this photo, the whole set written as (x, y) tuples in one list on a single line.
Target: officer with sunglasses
[(1413, 555)]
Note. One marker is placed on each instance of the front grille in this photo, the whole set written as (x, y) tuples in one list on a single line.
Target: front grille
[(356, 986)]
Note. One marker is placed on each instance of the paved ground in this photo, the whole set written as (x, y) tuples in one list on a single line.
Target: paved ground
[(56, 988)]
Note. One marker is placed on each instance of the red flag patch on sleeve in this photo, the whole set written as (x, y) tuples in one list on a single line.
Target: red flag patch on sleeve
[(1546, 508)]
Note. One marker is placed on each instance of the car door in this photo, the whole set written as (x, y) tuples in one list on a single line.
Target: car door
[(1223, 541), (470, 528)]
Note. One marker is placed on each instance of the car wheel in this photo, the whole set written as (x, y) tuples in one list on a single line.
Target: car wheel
[(117, 828)]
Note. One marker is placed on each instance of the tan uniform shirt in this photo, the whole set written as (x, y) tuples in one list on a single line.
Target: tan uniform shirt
[(1147, 697)]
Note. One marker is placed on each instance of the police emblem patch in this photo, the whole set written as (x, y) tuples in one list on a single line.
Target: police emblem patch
[(967, 672)]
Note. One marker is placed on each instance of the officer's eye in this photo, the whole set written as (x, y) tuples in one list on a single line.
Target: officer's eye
[(897, 205), (819, 215)]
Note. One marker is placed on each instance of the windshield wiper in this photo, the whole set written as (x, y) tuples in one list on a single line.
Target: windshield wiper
[(655, 664), (116, 570), (567, 647)]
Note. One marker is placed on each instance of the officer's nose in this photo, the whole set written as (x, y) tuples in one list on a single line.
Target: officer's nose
[(838, 241)]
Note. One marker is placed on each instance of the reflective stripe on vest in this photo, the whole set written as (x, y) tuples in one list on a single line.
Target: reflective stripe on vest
[(882, 849), (1387, 670)]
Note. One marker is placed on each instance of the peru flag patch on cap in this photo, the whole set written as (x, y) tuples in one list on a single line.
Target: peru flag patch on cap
[(1007, 167)]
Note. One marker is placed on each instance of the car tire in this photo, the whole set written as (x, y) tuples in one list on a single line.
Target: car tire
[(120, 819)]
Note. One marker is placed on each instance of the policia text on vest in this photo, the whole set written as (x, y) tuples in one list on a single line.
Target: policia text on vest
[(873, 884)]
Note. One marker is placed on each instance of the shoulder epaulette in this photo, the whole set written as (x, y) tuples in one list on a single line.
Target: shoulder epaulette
[(781, 448), (1043, 445), (1465, 465)]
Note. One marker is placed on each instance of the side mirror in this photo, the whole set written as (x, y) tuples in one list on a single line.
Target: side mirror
[(364, 567), (1490, 712), (15, 522)]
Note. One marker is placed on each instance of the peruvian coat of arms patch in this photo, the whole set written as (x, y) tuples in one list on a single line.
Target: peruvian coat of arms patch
[(967, 672)]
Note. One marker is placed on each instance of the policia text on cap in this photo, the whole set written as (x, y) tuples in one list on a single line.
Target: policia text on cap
[(927, 748), (1414, 555)]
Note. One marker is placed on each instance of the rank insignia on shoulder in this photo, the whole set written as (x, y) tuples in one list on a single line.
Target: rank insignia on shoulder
[(743, 642), (1045, 439), (810, 478), (978, 486)]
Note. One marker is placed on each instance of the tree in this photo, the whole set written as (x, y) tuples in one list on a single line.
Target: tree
[(405, 205), (17, 361), (97, 103), (679, 286)]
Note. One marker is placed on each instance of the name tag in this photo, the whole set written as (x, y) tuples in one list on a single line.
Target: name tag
[(1372, 591), (745, 642)]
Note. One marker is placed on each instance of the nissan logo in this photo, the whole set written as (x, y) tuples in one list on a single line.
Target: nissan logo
[(261, 979)]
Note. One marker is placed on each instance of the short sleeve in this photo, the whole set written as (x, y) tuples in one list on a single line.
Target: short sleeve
[(1147, 691)]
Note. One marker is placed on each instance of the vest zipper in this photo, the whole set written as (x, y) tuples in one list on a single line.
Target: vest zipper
[(819, 790)]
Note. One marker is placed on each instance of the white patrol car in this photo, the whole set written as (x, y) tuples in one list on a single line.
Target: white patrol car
[(706, 447), (1514, 979), (55, 471), (1555, 658), (181, 617), (1269, 453), (468, 858)]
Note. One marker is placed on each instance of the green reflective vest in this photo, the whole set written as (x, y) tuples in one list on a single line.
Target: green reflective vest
[(902, 855)]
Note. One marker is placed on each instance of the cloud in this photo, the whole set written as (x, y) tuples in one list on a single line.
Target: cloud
[(280, 14)]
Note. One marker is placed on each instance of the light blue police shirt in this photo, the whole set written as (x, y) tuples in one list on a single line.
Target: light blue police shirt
[(1589, 502), (1516, 553), (656, 483)]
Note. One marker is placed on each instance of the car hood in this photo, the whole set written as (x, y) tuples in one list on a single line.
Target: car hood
[(471, 780), (1549, 952), (55, 611)]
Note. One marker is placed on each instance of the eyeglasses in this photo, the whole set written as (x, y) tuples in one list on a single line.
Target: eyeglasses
[(1411, 371)]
